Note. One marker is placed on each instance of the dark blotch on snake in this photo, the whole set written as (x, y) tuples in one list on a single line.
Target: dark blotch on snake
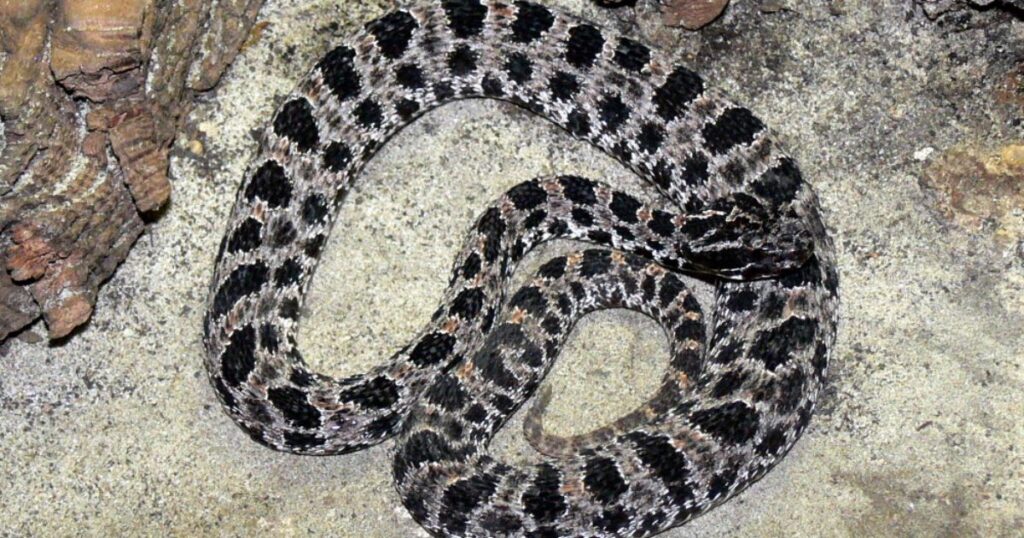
[(695, 170), (314, 245), (780, 184), (447, 393), (673, 97), (421, 447), (339, 73), (651, 137), (530, 299), (407, 108), (270, 184), (632, 56), (492, 226), (735, 126), (294, 406), (729, 383), (600, 237), (302, 377), (662, 174), (791, 391), (820, 360), (543, 499), (289, 308), (553, 268), (369, 114), (491, 366), (462, 61), (527, 195), (303, 441), (558, 228), (584, 44), (443, 91), (689, 330), (246, 237), (500, 523), (603, 479), (595, 262), (432, 349), (671, 287), (661, 223), (290, 272), (578, 123), (471, 266), (239, 357), (578, 190), (774, 346), (269, 338), (503, 404), (659, 455), (476, 414), (624, 233), (531, 22), (613, 112), (741, 301), (377, 393), (467, 304), (410, 76), (772, 443), (807, 275), (563, 86), (613, 519), (337, 156), (393, 32), (721, 482), (518, 67), (492, 86), (582, 217), (625, 207), (295, 122), (734, 422), (462, 497), (534, 219), (242, 281), (315, 209), (465, 17), (385, 426)]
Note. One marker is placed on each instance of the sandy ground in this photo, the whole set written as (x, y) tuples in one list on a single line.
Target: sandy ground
[(116, 430)]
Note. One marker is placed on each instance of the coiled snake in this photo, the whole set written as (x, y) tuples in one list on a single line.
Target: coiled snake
[(735, 209)]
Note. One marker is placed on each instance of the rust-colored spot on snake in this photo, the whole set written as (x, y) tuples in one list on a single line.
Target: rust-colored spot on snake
[(654, 269), (450, 326), (517, 317), (465, 371)]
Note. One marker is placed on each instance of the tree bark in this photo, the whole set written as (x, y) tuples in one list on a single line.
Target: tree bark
[(92, 94)]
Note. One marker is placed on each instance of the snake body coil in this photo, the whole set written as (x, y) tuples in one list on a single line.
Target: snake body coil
[(735, 209)]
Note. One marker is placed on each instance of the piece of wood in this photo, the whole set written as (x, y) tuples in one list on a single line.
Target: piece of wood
[(83, 81)]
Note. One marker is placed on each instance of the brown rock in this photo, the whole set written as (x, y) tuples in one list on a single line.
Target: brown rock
[(981, 190), (691, 14), (1011, 90)]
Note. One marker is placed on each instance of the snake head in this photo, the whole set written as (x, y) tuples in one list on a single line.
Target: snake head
[(740, 238)]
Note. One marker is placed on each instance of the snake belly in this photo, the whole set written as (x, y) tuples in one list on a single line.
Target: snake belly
[(735, 209)]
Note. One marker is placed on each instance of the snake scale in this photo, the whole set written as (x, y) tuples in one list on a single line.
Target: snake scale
[(742, 381)]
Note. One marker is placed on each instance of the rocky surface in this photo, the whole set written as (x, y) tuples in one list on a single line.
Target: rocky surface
[(116, 430)]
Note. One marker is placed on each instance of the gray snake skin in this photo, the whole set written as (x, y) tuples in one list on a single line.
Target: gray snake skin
[(742, 383)]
